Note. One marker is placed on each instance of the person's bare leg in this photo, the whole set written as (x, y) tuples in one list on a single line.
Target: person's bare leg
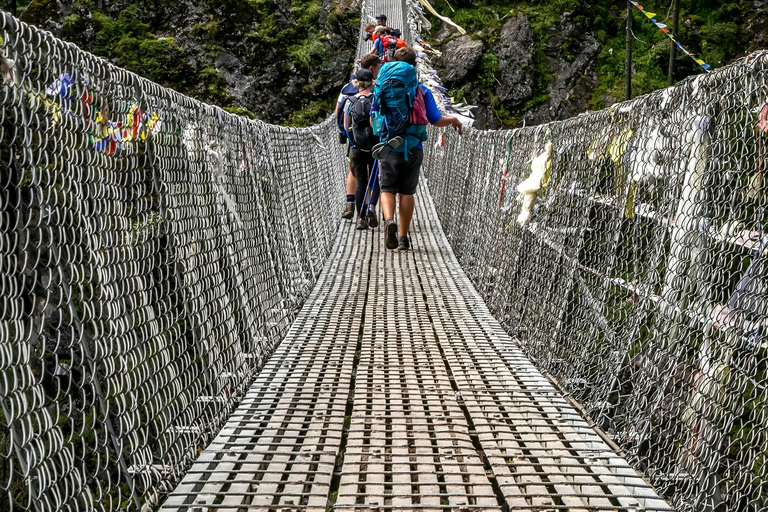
[(387, 200), (407, 204), (351, 183)]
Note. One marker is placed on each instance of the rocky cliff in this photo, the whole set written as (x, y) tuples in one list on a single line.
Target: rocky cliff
[(278, 60), (536, 61), (283, 61)]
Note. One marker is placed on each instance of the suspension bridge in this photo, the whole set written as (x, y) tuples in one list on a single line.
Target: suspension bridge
[(188, 326)]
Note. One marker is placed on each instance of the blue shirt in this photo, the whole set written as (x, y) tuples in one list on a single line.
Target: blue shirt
[(433, 113), (379, 45)]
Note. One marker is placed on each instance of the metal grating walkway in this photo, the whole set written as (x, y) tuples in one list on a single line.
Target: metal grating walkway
[(396, 389)]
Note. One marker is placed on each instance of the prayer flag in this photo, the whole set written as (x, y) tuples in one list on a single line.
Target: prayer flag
[(665, 30)]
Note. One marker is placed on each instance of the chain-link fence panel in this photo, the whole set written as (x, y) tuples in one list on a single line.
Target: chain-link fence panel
[(626, 250), (153, 250)]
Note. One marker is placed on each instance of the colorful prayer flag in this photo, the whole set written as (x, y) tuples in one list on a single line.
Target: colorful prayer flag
[(670, 35)]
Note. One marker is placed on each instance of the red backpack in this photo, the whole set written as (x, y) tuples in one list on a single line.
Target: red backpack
[(389, 43)]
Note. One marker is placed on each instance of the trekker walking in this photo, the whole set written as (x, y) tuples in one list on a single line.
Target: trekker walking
[(385, 44), (400, 42), (347, 91), (381, 20), (357, 120), (401, 152), (372, 63), (370, 32)]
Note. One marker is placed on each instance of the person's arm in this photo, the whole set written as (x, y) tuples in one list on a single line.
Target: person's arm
[(433, 113), (450, 121)]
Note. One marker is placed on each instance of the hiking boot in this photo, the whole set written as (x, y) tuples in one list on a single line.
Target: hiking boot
[(361, 224), (349, 211), (403, 243), (372, 219), (390, 234), (382, 149)]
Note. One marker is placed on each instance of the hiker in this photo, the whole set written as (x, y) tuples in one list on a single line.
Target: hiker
[(377, 33), (372, 63), (370, 32), (357, 119), (348, 90), (400, 153), (385, 45), (381, 20), (400, 42)]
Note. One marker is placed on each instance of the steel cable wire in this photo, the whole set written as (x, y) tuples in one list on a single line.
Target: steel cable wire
[(153, 251), (640, 279)]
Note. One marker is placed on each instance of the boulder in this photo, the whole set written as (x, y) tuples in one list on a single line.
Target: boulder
[(459, 56), (515, 51), (445, 31)]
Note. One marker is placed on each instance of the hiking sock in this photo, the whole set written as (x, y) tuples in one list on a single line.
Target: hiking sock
[(350, 198)]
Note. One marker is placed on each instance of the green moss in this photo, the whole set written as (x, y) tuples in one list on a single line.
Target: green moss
[(309, 55), (311, 112), (717, 39), (127, 25), (162, 60), (489, 67), (535, 102), (215, 84), (457, 94), (505, 117), (72, 26), (206, 30), (288, 38), (479, 19), (240, 112)]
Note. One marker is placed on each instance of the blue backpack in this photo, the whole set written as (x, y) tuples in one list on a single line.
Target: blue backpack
[(394, 94)]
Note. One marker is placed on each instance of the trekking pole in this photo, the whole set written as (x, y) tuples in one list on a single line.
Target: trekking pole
[(369, 190), (375, 176)]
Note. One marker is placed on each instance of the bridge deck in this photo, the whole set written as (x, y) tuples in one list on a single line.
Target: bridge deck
[(396, 389)]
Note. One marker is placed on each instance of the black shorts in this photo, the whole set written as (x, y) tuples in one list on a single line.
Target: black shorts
[(398, 176), (361, 163)]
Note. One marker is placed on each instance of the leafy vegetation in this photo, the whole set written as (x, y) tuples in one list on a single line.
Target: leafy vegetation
[(292, 46), (311, 112), (707, 28), (717, 31), (285, 47)]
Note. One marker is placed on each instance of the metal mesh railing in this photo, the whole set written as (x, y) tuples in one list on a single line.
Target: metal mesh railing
[(640, 279), (153, 249)]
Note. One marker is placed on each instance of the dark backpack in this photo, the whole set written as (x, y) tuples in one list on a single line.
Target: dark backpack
[(360, 122), (348, 91)]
